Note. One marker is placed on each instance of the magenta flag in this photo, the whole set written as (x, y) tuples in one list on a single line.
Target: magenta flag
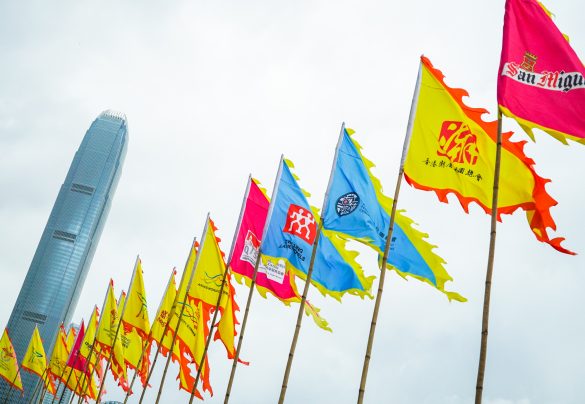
[(246, 245), (76, 361), (541, 81)]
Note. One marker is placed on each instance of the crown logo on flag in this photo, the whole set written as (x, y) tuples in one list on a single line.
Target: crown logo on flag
[(529, 61)]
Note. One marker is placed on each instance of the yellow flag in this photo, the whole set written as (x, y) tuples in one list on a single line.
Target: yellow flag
[(60, 354), (136, 313), (164, 310), (108, 323), (71, 335), (452, 150), (35, 359), (8, 363), (209, 270), (226, 329), (118, 364), (89, 337)]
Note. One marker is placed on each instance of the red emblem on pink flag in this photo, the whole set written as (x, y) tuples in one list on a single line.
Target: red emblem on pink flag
[(541, 81)]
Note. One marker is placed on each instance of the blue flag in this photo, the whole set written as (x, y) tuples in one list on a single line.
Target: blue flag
[(357, 209), (289, 235)]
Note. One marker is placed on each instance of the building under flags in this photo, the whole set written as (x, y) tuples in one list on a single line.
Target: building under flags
[(62, 259)]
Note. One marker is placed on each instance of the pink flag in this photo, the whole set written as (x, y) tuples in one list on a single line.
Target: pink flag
[(246, 245), (541, 81), (76, 361)]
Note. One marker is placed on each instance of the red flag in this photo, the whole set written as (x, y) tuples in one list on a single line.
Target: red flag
[(76, 361), (541, 81)]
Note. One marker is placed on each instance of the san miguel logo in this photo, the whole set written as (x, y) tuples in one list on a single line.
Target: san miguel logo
[(300, 222), (347, 204), (457, 143), (250, 250), (557, 81)]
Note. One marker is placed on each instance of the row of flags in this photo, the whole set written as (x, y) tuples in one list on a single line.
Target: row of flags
[(449, 149)]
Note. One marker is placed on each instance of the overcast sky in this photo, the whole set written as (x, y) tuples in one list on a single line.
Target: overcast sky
[(215, 90)]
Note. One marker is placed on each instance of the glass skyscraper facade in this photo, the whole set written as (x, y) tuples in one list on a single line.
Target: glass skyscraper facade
[(62, 259)]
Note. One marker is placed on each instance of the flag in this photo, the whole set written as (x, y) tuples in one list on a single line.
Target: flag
[(541, 81), (136, 326), (184, 349), (71, 336), (76, 361), (245, 253), (89, 338), (136, 312), (356, 208), (452, 149), (118, 363), (60, 354), (110, 345), (164, 311), (35, 360), (209, 269), (209, 274), (247, 242), (9, 370), (288, 239)]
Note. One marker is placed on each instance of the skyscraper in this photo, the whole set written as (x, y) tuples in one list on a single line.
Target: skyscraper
[(59, 267)]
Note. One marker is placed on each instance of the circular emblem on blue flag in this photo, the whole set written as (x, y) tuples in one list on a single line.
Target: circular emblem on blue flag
[(347, 203)]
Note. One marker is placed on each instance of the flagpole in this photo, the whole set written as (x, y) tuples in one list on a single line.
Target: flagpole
[(166, 329), (251, 290), (37, 388), (147, 342), (102, 384), (9, 394), (309, 275), (490, 268), (66, 386), (60, 383), (180, 318), (220, 292), (85, 378), (405, 147), (42, 396)]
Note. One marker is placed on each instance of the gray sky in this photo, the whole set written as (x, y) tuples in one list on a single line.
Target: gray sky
[(214, 91)]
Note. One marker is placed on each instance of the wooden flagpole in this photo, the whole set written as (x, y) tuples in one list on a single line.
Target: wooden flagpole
[(490, 268), (202, 361), (147, 343), (102, 384), (370, 344), (39, 385), (9, 393), (66, 386), (44, 391), (85, 378), (309, 275), (166, 329), (251, 290), (180, 318), (60, 382)]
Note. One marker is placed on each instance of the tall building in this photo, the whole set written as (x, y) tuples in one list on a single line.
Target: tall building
[(59, 267)]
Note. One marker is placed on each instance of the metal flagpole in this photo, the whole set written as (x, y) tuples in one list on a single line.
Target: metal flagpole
[(60, 382), (309, 275), (202, 361), (388, 240), (42, 396), (490, 268), (180, 318), (98, 398), (166, 329), (251, 290)]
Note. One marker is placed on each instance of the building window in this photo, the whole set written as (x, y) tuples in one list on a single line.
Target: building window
[(65, 236), (82, 189), (34, 317)]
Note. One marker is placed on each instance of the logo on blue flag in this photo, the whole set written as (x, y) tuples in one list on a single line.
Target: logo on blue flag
[(347, 203)]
